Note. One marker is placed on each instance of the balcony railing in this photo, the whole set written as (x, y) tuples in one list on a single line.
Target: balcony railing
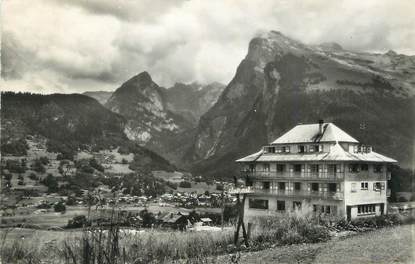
[(368, 175), (302, 194), (293, 175)]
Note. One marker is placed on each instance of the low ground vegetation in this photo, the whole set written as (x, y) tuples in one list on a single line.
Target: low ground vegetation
[(115, 245)]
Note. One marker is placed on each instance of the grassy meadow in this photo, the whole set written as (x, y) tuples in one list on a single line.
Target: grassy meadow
[(380, 239)]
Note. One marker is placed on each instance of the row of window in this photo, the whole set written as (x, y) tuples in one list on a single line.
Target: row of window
[(314, 168), (364, 167), (263, 204), (362, 149), (312, 149), (300, 149), (296, 205), (315, 186), (366, 209), (325, 209), (377, 186)]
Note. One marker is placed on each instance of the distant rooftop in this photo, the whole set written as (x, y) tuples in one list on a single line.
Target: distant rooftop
[(310, 133)]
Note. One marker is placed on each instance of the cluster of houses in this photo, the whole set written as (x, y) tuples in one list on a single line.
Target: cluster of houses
[(180, 220), (192, 200)]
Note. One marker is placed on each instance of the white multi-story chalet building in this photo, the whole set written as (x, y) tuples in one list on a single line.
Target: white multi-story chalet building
[(319, 167)]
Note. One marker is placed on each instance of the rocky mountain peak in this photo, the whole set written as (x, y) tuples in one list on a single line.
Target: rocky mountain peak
[(140, 80), (266, 46), (391, 53), (282, 82), (331, 46)]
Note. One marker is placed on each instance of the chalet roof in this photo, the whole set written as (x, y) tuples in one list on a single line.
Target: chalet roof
[(251, 157), (171, 217), (336, 153), (309, 133)]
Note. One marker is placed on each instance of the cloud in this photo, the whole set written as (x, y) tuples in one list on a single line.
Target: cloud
[(128, 10), (78, 45)]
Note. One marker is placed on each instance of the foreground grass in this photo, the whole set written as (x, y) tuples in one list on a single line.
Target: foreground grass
[(387, 245), (115, 246)]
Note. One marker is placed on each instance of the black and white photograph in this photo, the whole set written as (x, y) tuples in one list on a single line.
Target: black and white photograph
[(207, 131)]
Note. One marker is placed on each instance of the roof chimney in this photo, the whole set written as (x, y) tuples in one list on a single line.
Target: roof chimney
[(320, 126)]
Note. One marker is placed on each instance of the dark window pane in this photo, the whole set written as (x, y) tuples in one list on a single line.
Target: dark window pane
[(258, 204)]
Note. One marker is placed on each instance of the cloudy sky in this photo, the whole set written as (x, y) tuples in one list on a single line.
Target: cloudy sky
[(82, 45)]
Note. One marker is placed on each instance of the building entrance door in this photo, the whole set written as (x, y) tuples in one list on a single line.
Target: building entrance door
[(349, 213), (382, 208)]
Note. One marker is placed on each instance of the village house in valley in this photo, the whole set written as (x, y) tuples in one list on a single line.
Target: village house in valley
[(316, 167)]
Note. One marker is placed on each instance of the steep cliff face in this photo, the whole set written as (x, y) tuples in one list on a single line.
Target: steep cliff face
[(142, 103), (100, 96), (158, 118), (282, 82), (192, 100)]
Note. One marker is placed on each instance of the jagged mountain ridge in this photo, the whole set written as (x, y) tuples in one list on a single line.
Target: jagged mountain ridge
[(141, 101), (100, 96), (192, 100), (159, 118), (282, 82)]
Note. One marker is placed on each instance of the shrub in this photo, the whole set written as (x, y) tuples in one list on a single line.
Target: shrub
[(44, 206), (185, 184), (15, 166), (292, 237), (16, 148), (94, 164), (65, 156), (20, 180), (87, 169), (77, 222), (33, 177), (219, 187), (289, 230), (402, 199), (314, 233), (51, 183), (71, 200), (171, 185), (44, 160), (59, 207), (38, 166)]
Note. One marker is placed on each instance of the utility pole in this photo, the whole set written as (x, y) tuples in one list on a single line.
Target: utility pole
[(240, 207)]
